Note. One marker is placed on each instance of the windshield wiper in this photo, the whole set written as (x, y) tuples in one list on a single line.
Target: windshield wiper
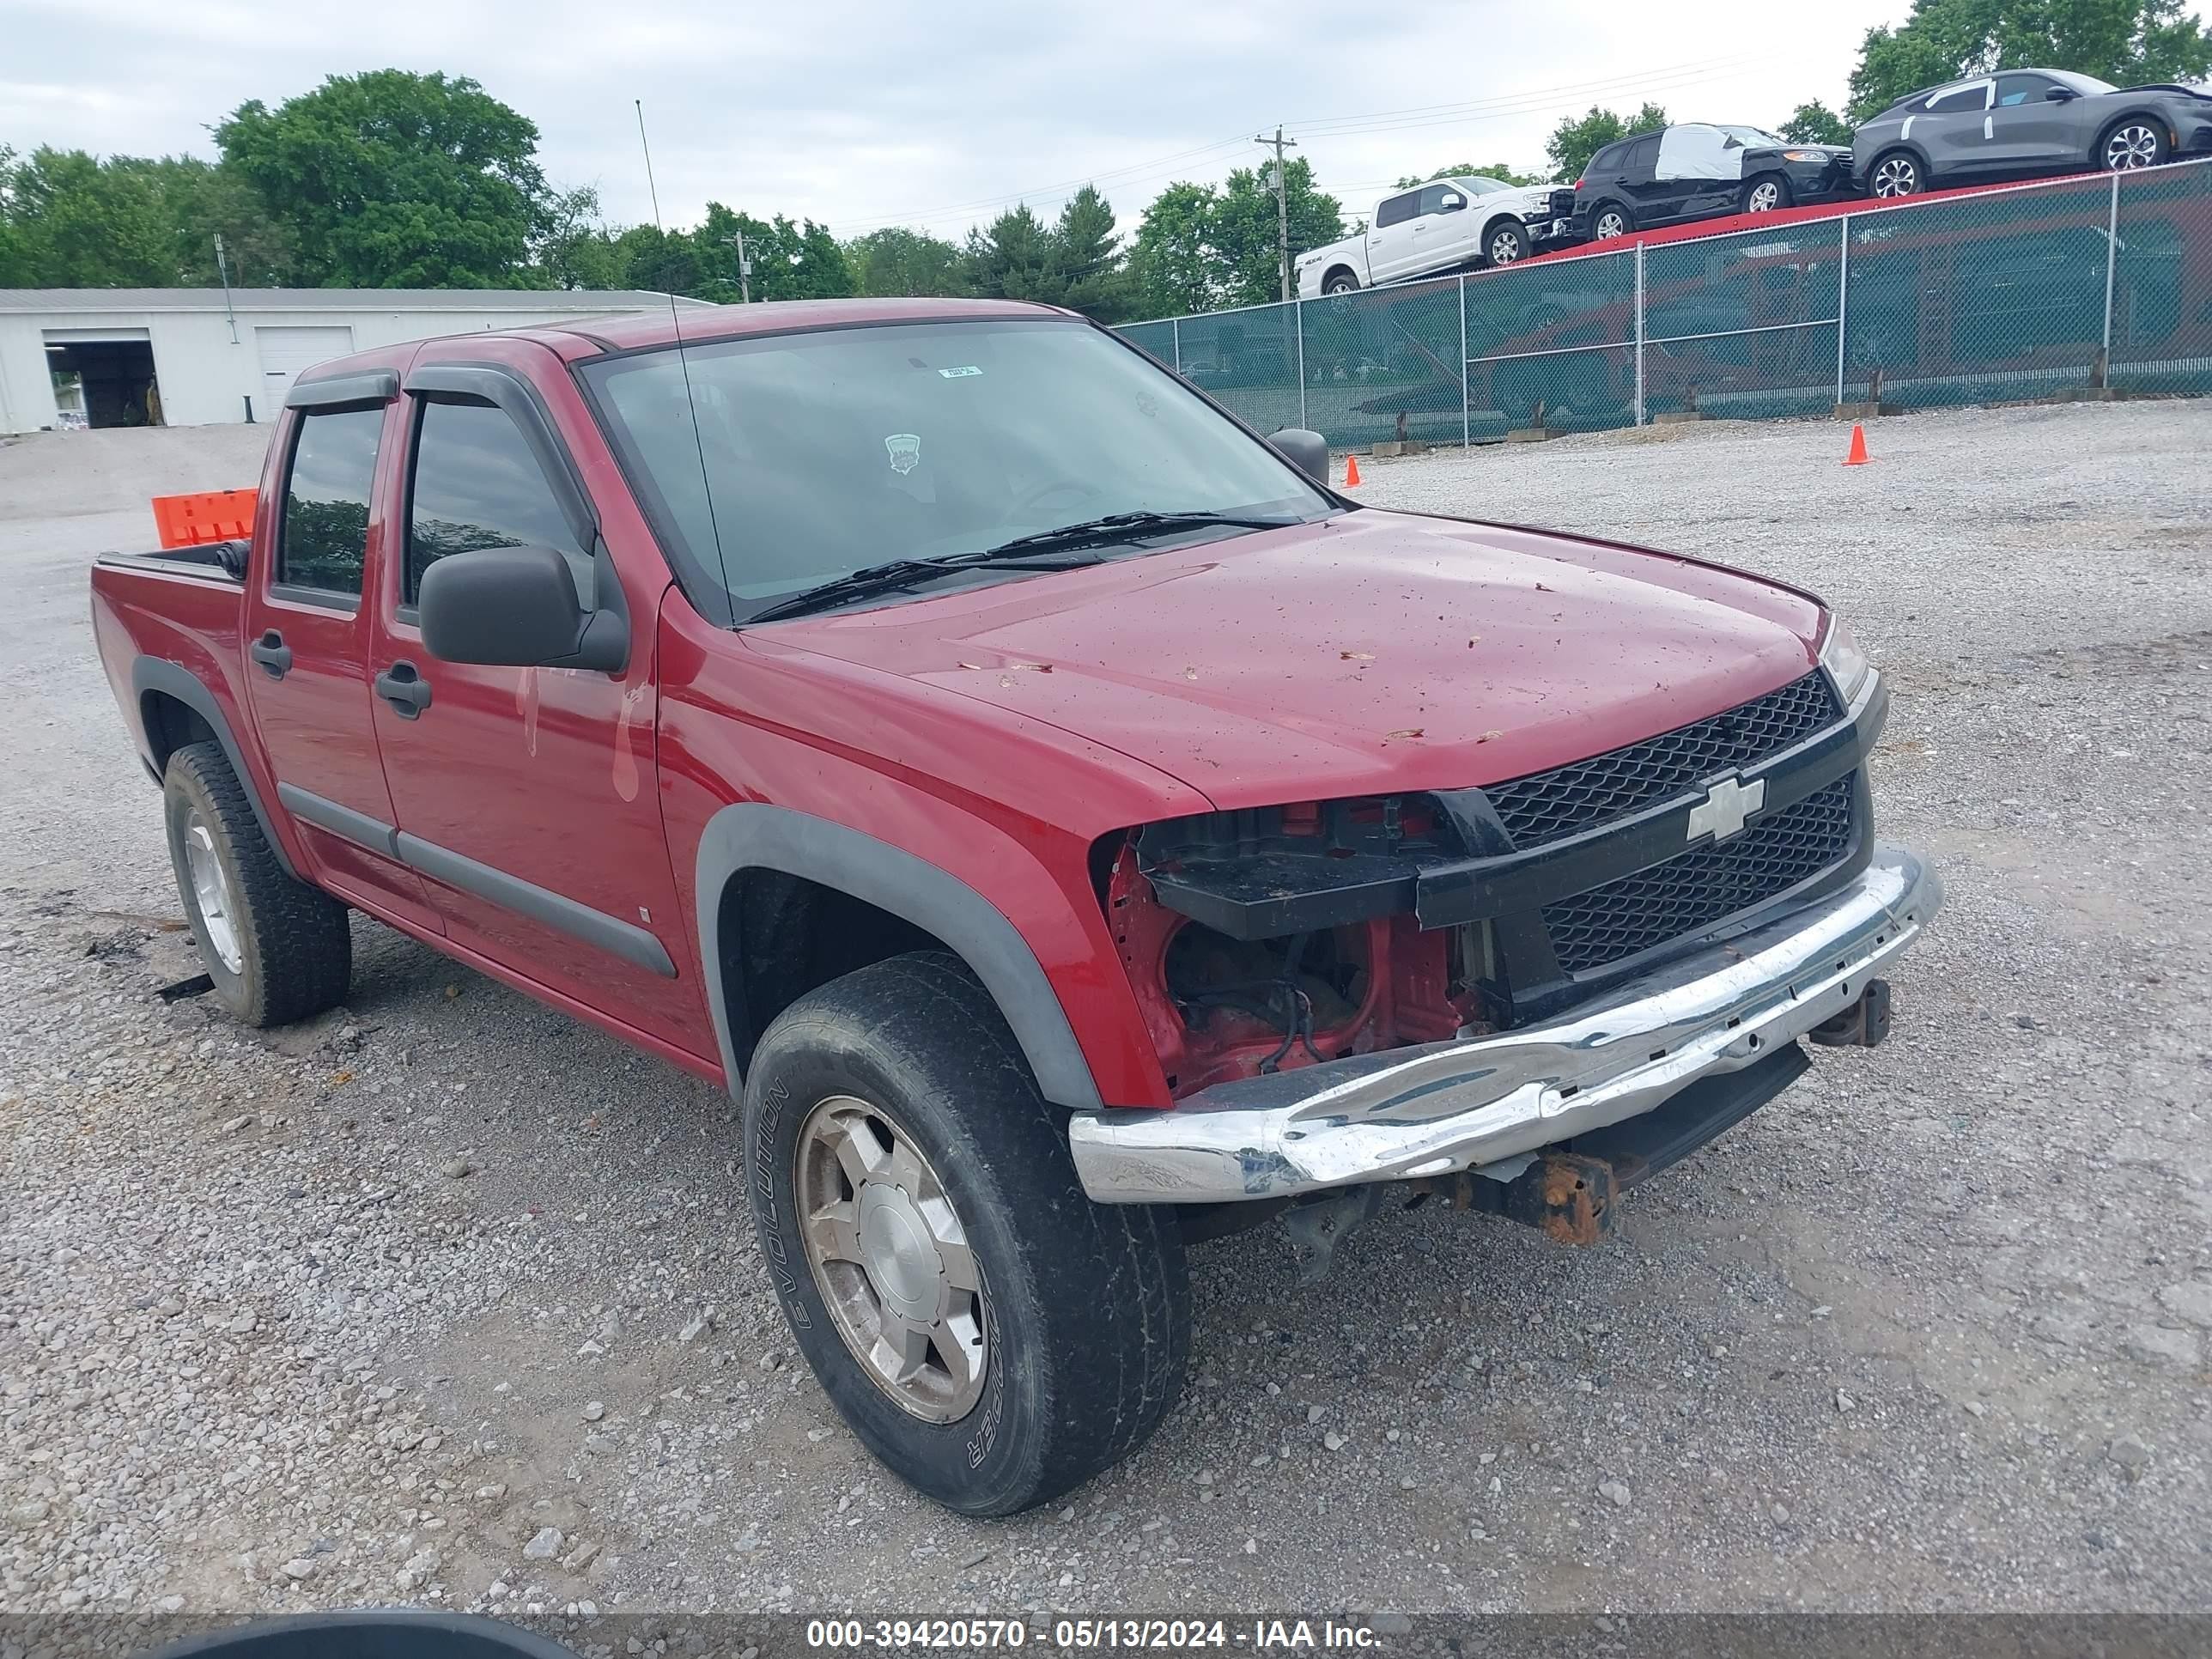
[(1118, 526), (895, 573)]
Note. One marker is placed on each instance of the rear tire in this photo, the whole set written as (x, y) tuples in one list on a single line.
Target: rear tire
[(1609, 220), (989, 1332), (1897, 173), (278, 950), (2133, 144), (1341, 281), (1765, 193)]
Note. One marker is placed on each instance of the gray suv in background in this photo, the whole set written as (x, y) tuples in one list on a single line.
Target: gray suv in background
[(2025, 124)]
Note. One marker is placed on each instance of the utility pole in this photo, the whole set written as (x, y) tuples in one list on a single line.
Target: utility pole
[(1280, 143), (745, 268), (222, 270)]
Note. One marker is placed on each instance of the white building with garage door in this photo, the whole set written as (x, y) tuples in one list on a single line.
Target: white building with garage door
[(200, 356)]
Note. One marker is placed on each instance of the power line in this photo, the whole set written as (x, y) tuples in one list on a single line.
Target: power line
[(1668, 77)]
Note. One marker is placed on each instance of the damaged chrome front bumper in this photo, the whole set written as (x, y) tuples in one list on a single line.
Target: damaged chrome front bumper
[(1444, 1107)]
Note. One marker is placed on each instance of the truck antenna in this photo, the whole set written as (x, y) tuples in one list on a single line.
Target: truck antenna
[(682, 356)]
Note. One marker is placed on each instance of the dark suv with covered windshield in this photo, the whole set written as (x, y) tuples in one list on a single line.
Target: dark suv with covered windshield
[(1697, 170)]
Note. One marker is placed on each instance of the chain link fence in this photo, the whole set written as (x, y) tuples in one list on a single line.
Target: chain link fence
[(2021, 293)]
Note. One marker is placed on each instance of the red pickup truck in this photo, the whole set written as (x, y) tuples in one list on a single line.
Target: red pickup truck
[(1073, 827)]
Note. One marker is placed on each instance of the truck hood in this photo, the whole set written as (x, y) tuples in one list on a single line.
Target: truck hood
[(1374, 652)]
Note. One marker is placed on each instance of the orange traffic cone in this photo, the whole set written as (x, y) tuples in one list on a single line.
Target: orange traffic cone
[(1859, 457), (1351, 472)]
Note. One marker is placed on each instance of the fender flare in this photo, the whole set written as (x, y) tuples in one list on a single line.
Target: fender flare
[(755, 834), (174, 680)]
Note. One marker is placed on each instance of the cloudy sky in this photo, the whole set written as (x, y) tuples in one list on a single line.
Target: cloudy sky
[(862, 114)]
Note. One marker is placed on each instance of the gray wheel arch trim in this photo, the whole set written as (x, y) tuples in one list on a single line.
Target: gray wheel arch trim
[(175, 680), (752, 835)]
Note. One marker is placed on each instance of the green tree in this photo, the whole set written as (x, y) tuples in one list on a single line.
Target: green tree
[(395, 179), (1094, 279), (1171, 261), (1013, 257), (644, 256), (1816, 124), (1498, 170), (790, 261), (2128, 42), (572, 247), (1576, 138), (896, 261), (1244, 235)]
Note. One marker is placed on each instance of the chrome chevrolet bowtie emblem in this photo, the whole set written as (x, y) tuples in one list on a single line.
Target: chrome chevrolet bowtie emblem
[(1726, 805)]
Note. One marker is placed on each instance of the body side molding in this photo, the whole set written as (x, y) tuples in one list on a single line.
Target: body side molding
[(754, 835), (610, 934)]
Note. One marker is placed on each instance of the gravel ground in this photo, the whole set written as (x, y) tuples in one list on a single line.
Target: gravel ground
[(444, 1299)]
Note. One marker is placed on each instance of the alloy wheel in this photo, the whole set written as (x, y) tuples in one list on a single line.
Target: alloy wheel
[(1504, 248), (2132, 146), (211, 892), (1897, 176), (1765, 196), (891, 1259), (1608, 224)]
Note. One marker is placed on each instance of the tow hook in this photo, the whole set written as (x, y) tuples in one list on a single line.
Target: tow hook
[(1567, 1196), (1861, 1025)]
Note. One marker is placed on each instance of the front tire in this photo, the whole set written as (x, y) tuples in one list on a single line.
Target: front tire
[(989, 1332), (1765, 193), (278, 950), (1897, 173), (2132, 144), (1504, 243)]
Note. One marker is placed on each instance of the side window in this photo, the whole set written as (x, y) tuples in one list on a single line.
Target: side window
[(1443, 199), (477, 483), (1960, 101), (1606, 160), (2015, 89), (1643, 155), (325, 530), (1397, 210)]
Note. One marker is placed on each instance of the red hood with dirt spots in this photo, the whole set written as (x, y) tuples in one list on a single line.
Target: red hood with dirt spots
[(1374, 652)]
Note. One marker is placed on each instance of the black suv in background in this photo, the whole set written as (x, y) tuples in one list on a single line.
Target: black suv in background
[(1696, 171)]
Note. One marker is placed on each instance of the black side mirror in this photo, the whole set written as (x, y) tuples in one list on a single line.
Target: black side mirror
[(1306, 451), (516, 607), (2061, 95)]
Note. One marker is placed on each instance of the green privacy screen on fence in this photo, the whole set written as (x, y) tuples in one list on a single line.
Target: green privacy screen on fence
[(2010, 293)]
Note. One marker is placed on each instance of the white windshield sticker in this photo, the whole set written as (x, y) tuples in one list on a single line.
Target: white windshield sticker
[(959, 373), (905, 449)]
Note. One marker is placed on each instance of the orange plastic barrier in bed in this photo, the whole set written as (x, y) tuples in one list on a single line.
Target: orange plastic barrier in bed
[(213, 515)]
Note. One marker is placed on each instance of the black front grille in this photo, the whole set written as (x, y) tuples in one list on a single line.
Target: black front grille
[(1690, 893), (1543, 808)]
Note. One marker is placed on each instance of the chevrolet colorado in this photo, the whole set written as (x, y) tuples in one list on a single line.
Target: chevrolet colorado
[(1072, 827)]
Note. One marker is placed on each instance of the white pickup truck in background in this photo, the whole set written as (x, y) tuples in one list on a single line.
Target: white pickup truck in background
[(1441, 225)]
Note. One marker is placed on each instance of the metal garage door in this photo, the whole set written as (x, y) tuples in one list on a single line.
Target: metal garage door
[(286, 351)]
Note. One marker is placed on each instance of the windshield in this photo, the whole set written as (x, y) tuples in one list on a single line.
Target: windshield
[(1753, 137), (1476, 185), (816, 454), (2088, 85)]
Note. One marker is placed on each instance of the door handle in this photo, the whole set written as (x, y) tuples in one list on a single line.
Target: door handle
[(407, 691), (272, 653)]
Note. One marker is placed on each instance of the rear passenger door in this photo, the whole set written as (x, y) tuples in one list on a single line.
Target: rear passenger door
[(1655, 200), (1391, 242), (1954, 130), (528, 798), (306, 639)]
